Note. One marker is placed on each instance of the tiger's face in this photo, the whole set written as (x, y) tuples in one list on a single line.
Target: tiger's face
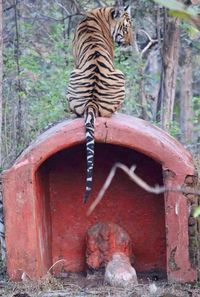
[(121, 26)]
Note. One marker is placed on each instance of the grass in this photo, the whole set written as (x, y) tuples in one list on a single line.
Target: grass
[(77, 285)]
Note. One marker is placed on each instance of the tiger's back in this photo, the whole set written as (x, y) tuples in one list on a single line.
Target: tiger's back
[(95, 87), (95, 80)]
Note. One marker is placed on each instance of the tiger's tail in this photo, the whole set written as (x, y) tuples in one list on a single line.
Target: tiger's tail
[(90, 115)]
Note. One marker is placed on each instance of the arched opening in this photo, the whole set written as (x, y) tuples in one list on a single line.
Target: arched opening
[(61, 184)]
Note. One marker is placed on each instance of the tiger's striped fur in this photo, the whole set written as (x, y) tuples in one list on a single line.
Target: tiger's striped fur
[(96, 88)]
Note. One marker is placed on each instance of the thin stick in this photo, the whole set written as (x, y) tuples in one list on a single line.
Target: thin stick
[(62, 260), (131, 173), (149, 44)]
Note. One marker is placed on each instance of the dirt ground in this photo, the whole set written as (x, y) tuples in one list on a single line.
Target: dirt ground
[(77, 285)]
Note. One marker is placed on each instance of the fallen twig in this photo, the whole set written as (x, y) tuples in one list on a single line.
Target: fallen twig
[(61, 260)]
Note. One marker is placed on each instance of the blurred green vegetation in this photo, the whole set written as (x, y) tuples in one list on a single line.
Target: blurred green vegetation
[(45, 60)]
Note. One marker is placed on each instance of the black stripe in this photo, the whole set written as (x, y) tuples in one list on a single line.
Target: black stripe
[(104, 65), (89, 126)]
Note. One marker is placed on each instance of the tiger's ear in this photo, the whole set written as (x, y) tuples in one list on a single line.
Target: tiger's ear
[(116, 13), (127, 8)]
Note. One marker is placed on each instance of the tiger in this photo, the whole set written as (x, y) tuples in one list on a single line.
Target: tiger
[(96, 88)]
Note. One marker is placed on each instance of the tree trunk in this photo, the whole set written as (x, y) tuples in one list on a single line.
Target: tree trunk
[(170, 53), (142, 95), (19, 128), (1, 78), (186, 97)]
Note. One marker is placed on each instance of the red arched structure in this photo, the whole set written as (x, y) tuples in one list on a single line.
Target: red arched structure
[(46, 220)]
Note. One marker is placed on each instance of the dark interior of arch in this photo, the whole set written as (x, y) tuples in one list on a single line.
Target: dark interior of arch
[(60, 188)]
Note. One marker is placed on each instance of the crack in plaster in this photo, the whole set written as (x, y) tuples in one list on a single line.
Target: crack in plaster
[(172, 262), (106, 136)]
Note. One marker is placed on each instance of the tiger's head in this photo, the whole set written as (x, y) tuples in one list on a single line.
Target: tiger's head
[(121, 26)]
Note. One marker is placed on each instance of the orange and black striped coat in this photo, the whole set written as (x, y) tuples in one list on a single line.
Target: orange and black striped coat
[(95, 87)]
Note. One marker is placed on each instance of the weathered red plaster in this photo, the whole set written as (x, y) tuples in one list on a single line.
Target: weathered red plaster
[(140, 213), (46, 220)]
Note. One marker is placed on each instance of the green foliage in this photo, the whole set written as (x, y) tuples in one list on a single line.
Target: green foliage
[(190, 34), (178, 9), (196, 109), (196, 212), (130, 65), (45, 60), (44, 74), (174, 129)]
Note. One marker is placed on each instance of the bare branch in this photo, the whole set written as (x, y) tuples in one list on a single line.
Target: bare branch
[(146, 33), (11, 7), (62, 19), (140, 182), (149, 44), (63, 7)]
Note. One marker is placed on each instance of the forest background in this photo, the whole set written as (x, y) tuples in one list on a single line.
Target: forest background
[(162, 69)]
